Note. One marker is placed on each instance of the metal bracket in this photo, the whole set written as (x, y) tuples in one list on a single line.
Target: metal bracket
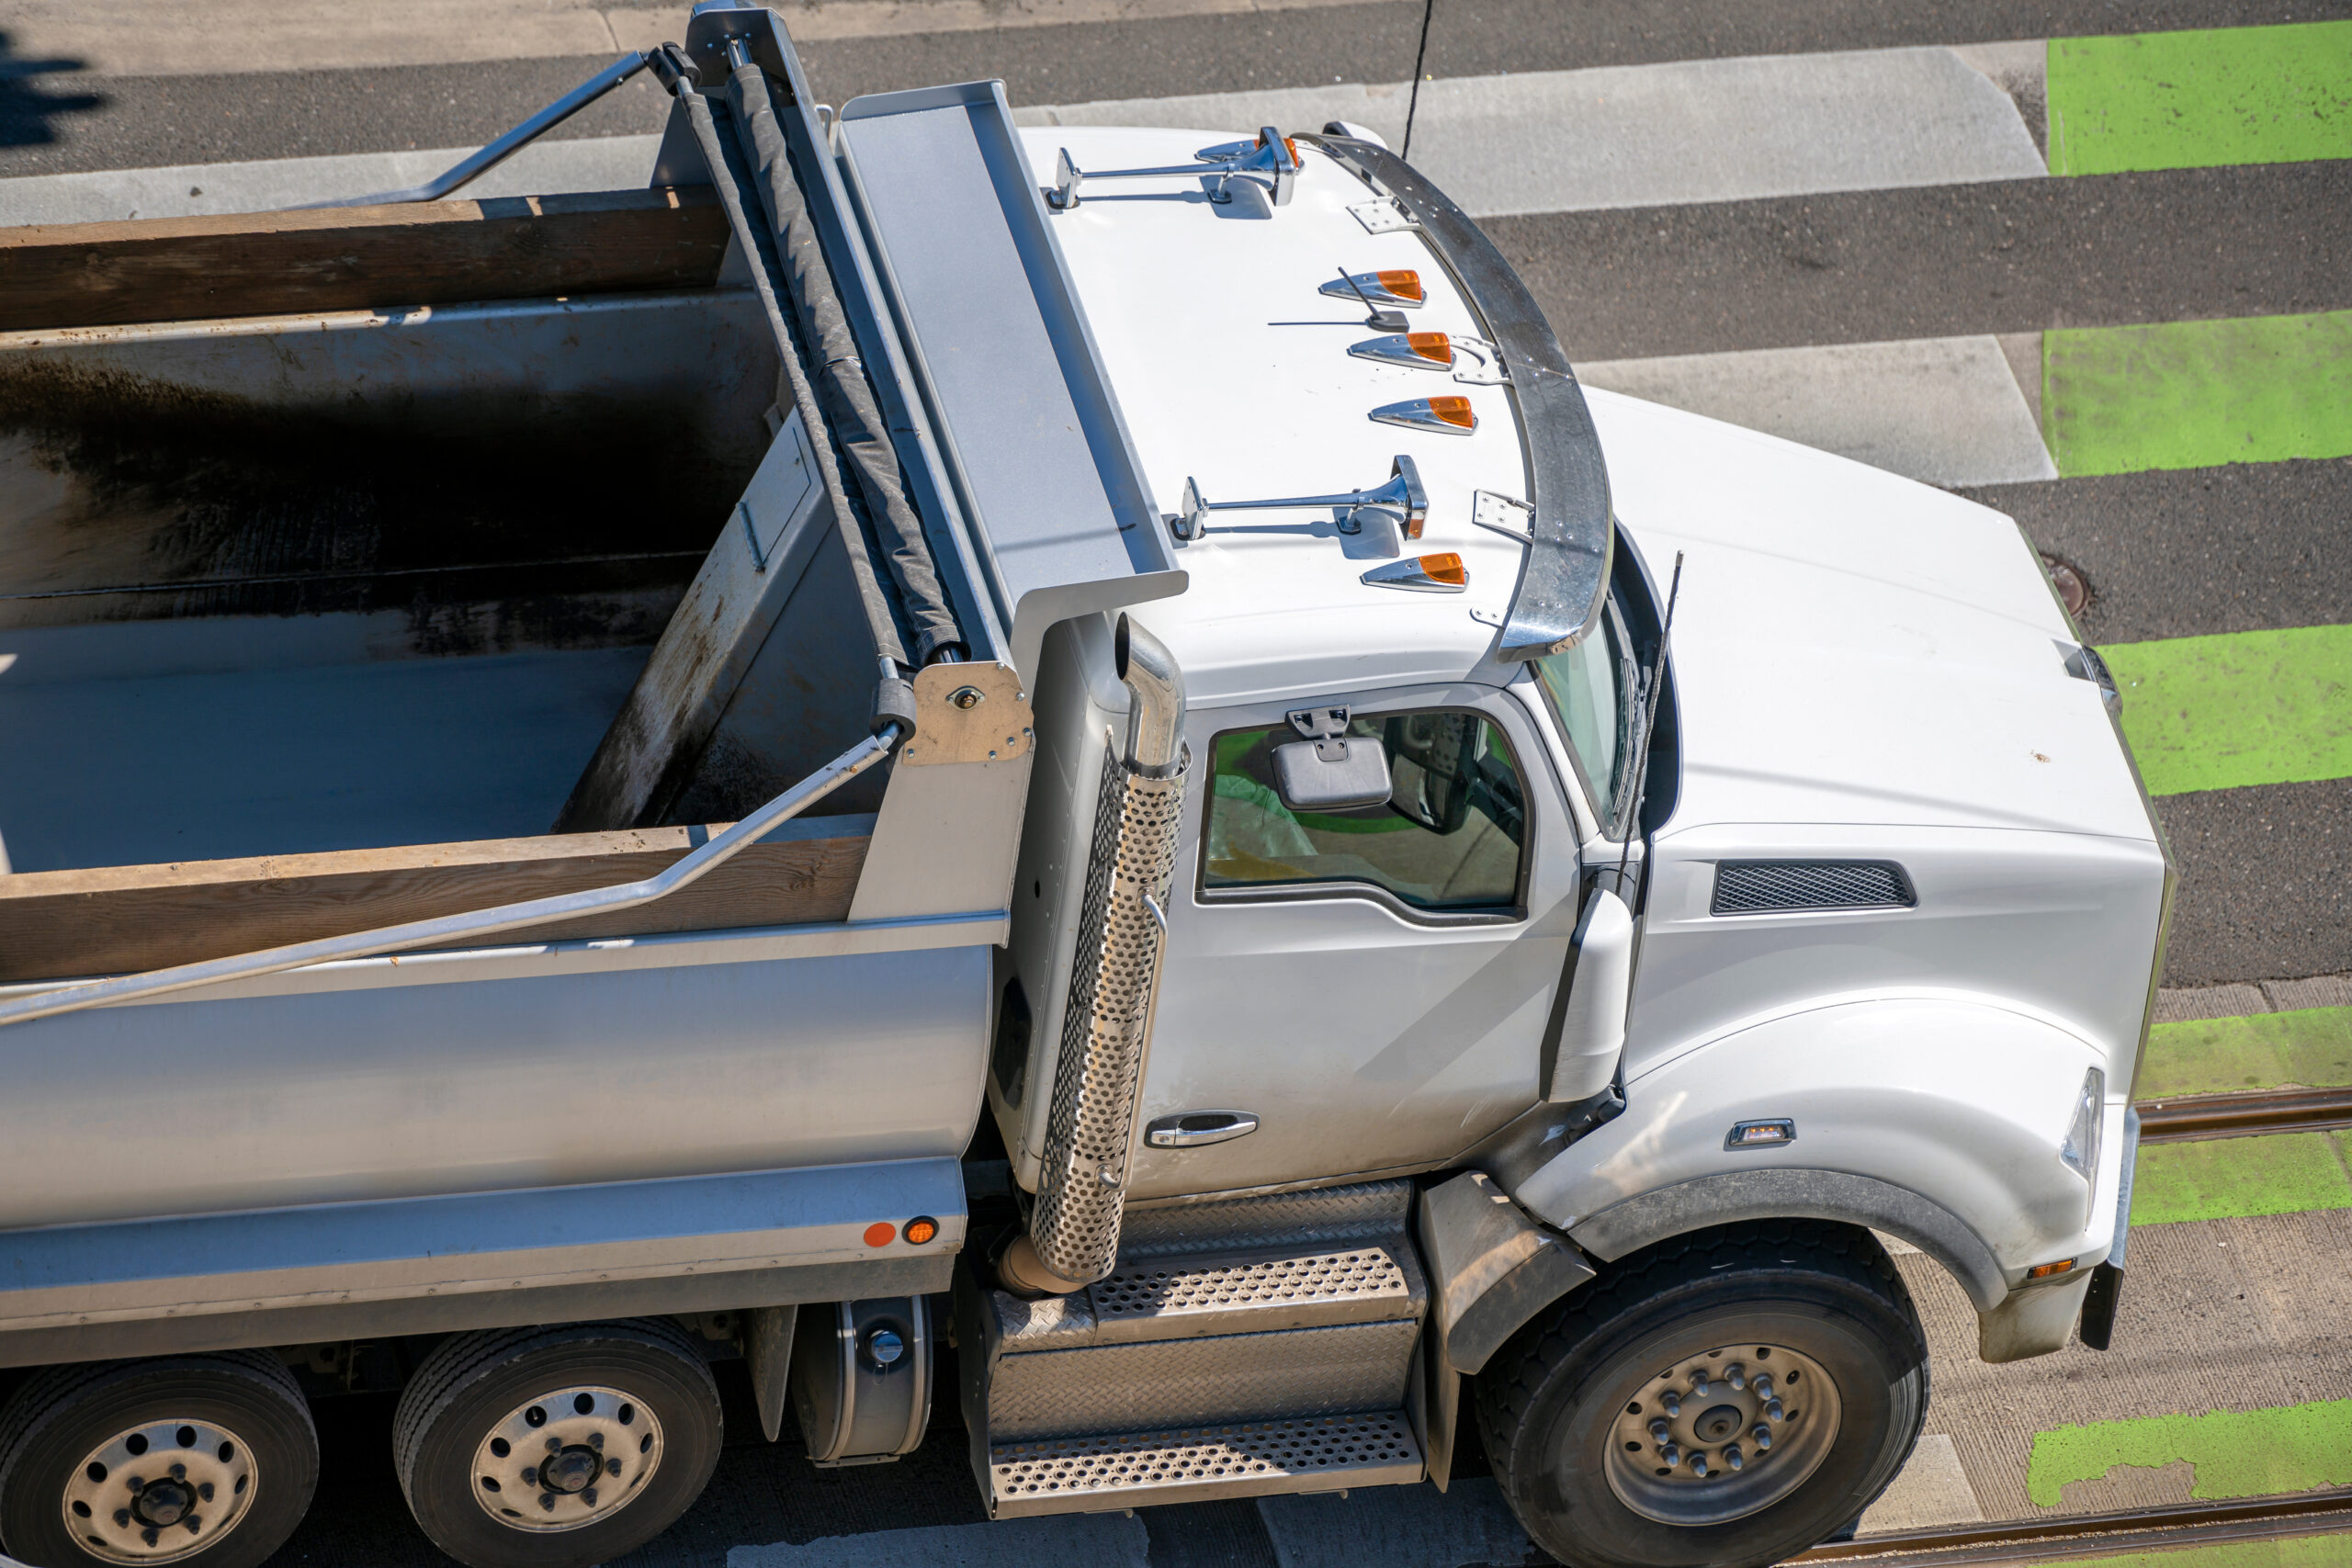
[(1512, 518), (1382, 216), (1402, 498), (968, 713), (1271, 155), (1327, 727)]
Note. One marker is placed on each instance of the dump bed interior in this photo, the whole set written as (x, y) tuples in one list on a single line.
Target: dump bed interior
[(367, 558)]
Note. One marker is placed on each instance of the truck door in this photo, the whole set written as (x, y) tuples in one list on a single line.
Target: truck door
[(1372, 985)]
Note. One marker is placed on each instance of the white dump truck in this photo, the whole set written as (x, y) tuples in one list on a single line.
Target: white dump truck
[(1060, 771)]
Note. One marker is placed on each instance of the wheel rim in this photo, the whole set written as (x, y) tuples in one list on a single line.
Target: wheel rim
[(160, 1491), (567, 1459), (1722, 1433)]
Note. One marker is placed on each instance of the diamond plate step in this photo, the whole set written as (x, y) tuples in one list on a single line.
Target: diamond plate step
[(1168, 1298), (1251, 1458)]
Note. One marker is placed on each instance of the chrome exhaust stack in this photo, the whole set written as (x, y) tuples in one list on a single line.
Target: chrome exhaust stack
[(1073, 1235)]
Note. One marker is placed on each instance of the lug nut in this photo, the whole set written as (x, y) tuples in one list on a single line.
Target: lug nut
[(1661, 1428), (1669, 1454), (1772, 1410), (1735, 1375), (1699, 1466), (547, 1501), (1763, 1385), (1671, 1404), (1699, 1384), (1762, 1438), (1732, 1457)]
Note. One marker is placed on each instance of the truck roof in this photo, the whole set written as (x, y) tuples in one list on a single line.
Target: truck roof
[(1232, 369)]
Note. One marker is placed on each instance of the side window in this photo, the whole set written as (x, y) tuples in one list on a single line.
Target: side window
[(1449, 836)]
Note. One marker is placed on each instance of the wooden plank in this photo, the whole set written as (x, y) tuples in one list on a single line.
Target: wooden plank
[(350, 258), (121, 919)]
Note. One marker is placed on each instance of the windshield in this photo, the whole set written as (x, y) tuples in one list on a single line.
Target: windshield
[(1586, 686)]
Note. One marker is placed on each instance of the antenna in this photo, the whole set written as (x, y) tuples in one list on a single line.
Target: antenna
[(1420, 55), (1646, 719), (1383, 320)]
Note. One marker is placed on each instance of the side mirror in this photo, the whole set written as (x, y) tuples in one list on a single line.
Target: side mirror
[(1331, 769)]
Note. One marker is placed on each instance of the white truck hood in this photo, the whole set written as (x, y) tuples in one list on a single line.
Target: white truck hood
[(1856, 648)]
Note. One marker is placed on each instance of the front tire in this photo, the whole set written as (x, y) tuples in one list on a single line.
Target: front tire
[(204, 1461), (1723, 1400), (555, 1447)]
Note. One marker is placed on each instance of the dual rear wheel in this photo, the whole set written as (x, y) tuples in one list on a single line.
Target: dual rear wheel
[(536, 1447)]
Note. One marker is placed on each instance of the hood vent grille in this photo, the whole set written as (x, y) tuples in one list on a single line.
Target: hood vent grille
[(1771, 886)]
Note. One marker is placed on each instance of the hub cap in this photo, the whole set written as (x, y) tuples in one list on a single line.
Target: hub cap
[(1721, 1434), (160, 1492), (567, 1459)]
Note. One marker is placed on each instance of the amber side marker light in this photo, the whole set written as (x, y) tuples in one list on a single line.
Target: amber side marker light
[(1442, 573), (2050, 1270), (881, 1233), (1454, 412), (920, 1229), (1289, 141), (1404, 283), (1435, 347)]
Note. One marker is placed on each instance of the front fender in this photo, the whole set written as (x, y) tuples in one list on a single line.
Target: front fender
[(1937, 1120)]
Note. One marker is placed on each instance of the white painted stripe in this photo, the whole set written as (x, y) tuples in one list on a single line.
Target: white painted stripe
[(1546, 142), (1931, 1491), (607, 162), (1395, 1527), (1943, 411), (1652, 135), (1098, 1540), (177, 38)]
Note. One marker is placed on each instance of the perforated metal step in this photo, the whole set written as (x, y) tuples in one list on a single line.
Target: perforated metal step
[(1241, 1460)]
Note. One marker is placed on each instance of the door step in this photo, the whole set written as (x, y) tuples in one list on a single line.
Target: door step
[(1254, 1459), (1247, 1347)]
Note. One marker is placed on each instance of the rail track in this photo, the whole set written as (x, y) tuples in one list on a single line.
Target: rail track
[(2100, 1535), (2238, 1116)]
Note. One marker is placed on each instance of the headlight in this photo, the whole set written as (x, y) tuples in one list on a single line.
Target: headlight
[(2080, 1151)]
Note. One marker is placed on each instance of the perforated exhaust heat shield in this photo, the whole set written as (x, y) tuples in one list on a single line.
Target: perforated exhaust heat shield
[(1073, 1236)]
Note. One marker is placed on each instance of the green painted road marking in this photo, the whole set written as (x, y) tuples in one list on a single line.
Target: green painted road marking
[(2191, 100), (2197, 394), (2224, 1179), (2256, 1453), (2238, 708), (2329, 1551), (2312, 1047)]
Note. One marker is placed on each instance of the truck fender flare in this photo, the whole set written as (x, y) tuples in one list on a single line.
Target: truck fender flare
[(1491, 1268), (1730, 1197)]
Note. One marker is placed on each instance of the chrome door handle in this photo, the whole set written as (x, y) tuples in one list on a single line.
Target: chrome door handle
[(1196, 1129)]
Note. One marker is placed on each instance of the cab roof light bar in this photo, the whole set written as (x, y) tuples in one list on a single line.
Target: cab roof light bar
[(1274, 156), (1402, 497)]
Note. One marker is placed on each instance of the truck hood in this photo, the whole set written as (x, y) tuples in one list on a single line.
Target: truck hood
[(1855, 648)]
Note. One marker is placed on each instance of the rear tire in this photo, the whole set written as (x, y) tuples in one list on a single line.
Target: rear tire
[(1610, 1456), (207, 1460), (555, 1447)]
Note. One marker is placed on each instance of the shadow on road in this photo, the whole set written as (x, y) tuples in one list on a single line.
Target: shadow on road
[(27, 107)]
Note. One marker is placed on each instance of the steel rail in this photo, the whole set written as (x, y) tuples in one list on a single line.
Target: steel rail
[(442, 930), (2098, 1535), (2184, 1117)]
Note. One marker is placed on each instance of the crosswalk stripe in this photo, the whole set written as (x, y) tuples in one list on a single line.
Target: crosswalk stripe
[(546, 168), (2188, 100), (2221, 1179), (2238, 708), (2310, 1047), (2197, 394), (1945, 410), (1653, 135), (2249, 1454)]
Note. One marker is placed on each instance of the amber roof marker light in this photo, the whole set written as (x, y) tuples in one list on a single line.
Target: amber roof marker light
[(1447, 415), (1441, 573), (1394, 285)]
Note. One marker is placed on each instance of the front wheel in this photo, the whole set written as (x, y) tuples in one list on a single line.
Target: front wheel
[(1727, 1398)]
